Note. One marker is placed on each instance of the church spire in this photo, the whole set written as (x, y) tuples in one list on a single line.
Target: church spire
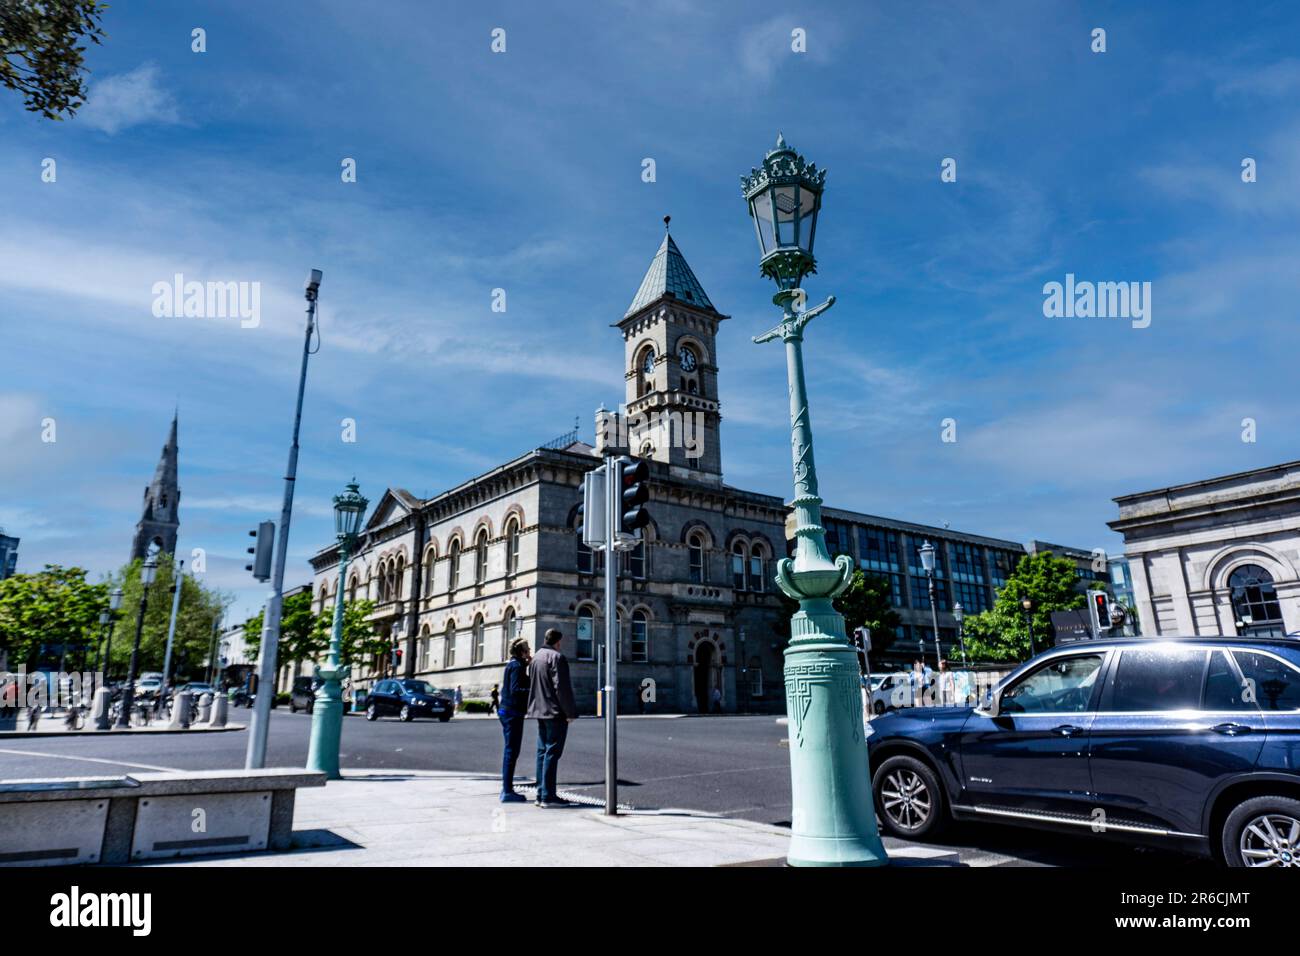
[(160, 514)]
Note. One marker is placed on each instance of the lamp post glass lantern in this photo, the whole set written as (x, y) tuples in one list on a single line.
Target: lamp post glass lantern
[(1028, 607), (327, 711), (832, 821), (927, 562)]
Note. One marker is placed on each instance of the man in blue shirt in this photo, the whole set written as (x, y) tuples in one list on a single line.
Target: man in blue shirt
[(512, 711)]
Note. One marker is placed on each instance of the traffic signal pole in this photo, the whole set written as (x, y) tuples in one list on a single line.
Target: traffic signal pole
[(613, 511)]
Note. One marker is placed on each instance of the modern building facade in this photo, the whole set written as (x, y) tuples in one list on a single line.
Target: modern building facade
[(8, 555), (160, 516), (1217, 556)]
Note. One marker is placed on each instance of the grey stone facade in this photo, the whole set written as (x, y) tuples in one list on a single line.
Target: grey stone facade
[(1207, 555)]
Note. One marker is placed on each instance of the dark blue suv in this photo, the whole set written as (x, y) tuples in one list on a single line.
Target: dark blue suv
[(1186, 742)]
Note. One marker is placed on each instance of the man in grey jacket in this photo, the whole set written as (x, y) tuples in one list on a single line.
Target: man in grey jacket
[(551, 704)]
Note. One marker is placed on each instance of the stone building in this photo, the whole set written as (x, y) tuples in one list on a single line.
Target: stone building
[(160, 516), (1217, 556), (456, 577)]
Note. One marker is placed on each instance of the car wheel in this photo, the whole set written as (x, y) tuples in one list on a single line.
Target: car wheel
[(878, 707), (293, 708), (1263, 831), (444, 718), (909, 801), (405, 713), (372, 712), (311, 707)]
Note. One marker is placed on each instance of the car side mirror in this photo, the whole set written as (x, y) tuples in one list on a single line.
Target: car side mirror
[(992, 703)]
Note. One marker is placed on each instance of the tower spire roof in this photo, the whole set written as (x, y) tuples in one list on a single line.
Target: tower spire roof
[(669, 275)]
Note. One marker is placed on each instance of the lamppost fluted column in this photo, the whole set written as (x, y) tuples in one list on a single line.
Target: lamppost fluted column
[(833, 820), (327, 711)]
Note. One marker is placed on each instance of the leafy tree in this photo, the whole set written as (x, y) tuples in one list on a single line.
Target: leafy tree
[(300, 635), (868, 602), (53, 606), (999, 634), (41, 51), (361, 642), (199, 610)]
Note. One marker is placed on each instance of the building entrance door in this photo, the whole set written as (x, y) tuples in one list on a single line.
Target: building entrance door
[(703, 676)]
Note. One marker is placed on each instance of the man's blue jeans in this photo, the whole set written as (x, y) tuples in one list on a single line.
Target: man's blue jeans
[(550, 746), (512, 729)]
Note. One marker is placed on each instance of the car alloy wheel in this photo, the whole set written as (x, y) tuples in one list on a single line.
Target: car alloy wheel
[(1271, 839), (372, 712), (906, 799), (878, 707), (406, 712)]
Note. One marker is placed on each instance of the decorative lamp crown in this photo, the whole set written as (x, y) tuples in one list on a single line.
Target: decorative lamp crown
[(349, 509)]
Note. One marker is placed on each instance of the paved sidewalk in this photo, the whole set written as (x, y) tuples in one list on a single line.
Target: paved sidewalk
[(434, 818), (54, 727)]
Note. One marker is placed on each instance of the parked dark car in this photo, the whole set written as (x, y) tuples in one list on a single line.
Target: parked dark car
[(1192, 743), (408, 699), (302, 696)]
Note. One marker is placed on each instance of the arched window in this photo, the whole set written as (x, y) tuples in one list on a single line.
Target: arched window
[(634, 560), (512, 547), (738, 561), (449, 647), (453, 565), (480, 556), (1254, 601), (640, 637), (430, 560), (509, 623), (757, 577), (381, 582), (399, 571), (695, 552), (424, 648), (477, 648), (585, 644), (352, 588)]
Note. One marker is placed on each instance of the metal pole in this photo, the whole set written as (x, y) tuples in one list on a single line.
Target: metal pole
[(108, 648), (327, 711), (934, 622), (128, 694), (255, 759), (613, 500), (177, 570), (212, 652)]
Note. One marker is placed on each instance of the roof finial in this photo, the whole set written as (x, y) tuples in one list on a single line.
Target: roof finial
[(667, 219), (780, 140)]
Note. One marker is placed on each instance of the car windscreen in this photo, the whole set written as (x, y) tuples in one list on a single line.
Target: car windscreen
[(418, 687)]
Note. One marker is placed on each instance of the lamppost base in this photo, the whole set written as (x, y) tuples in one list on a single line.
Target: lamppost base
[(326, 730), (834, 817)]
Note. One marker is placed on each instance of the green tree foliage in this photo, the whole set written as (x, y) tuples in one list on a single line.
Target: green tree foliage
[(361, 642), (200, 609), (300, 635), (999, 634), (53, 606), (42, 52), (867, 602)]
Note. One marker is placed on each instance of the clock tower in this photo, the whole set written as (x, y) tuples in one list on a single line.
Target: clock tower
[(671, 408)]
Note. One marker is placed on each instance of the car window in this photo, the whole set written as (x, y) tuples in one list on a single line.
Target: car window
[(1157, 679), (1224, 688), (1273, 684), (1063, 686)]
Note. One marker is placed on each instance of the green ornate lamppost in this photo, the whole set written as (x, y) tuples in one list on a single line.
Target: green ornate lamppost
[(327, 711), (834, 821)]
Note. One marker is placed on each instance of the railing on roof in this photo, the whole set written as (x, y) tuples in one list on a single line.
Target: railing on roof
[(563, 441)]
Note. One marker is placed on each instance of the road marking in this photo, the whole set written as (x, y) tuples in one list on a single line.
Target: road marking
[(116, 763)]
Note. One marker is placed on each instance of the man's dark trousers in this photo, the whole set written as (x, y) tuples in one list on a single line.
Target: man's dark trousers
[(512, 728), (551, 734)]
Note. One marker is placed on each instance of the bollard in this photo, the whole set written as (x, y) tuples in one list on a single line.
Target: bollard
[(218, 712), (205, 708), (180, 711), (100, 707)]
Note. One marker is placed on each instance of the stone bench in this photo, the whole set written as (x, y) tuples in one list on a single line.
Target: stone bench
[(147, 816)]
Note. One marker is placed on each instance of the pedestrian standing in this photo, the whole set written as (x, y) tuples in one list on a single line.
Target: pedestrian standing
[(716, 697), (947, 688), (494, 703), (511, 713), (460, 698), (551, 704)]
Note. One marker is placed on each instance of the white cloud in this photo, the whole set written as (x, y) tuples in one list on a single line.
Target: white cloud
[(130, 99)]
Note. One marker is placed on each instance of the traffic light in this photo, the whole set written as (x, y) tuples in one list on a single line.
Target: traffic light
[(1099, 609), (261, 552), (634, 482), (591, 513)]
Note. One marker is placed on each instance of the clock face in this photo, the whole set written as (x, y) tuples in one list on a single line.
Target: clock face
[(687, 358), (648, 366)]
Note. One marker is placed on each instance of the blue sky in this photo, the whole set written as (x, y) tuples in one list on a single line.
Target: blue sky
[(522, 171)]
